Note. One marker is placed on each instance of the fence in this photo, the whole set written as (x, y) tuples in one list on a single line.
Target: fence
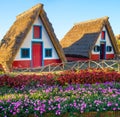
[(112, 64)]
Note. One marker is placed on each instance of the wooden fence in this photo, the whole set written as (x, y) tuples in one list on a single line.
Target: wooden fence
[(112, 64)]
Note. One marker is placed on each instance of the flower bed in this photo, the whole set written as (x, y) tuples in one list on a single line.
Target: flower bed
[(86, 93), (59, 100), (89, 76)]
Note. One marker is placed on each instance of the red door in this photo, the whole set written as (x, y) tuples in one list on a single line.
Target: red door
[(102, 50), (36, 54)]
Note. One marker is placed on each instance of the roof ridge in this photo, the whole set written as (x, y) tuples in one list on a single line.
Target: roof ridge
[(92, 20), (29, 10)]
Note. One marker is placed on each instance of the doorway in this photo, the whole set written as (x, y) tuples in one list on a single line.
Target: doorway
[(37, 54), (102, 50)]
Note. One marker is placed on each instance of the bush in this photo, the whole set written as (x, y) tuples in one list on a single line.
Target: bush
[(89, 76)]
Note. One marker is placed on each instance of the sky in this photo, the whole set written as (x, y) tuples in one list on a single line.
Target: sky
[(63, 14)]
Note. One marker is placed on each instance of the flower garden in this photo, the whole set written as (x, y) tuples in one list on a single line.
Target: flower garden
[(84, 93)]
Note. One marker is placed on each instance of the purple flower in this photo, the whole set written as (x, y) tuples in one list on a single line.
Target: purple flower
[(11, 111), (1, 101), (49, 102), (8, 100), (109, 104), (83, 106), (81, 111), (36, 108), (14, 113), (116, 104), (58, 112), (110, 90), (58, 106), (114, 109)]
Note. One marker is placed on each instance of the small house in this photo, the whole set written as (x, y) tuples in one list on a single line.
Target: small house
[(90, 40), (30, 42)]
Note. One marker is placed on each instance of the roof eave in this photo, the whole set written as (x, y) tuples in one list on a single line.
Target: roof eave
[(52, 36), (112, 37)]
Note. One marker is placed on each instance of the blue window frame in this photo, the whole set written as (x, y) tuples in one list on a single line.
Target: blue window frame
[(109, 48), (25, 53), (48, 52), (96, 48)]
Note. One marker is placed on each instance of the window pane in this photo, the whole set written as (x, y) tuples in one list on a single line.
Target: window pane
[(25, 53), (48, 52), (96, 48), (109, 48)]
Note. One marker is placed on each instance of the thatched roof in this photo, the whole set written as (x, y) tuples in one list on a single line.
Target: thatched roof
[(79, 41), (118, 40), (117, 37), (13, 39)]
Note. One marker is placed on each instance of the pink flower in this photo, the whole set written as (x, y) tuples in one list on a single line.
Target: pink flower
[(116, 104), (58, 106), (109, 104), (14, 113), (11, 111), (81, 111), (57, 112), (114, 109), (36, 108)]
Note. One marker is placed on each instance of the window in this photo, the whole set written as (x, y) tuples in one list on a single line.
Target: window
[(96, 48), (37, 32), (109, 48), (25, 52), (48, 52), (103, 35)]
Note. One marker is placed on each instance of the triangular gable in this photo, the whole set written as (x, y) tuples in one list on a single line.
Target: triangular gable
[(13, 39), (112, 36)]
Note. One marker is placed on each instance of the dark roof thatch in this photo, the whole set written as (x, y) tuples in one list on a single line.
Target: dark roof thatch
[(79, 41), (13, 39)]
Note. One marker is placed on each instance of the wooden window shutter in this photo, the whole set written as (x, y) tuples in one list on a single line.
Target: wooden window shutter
[(103, 35), (37, 32)]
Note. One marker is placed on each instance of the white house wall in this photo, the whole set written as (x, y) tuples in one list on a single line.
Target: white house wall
[(107, 40), (45, 40)]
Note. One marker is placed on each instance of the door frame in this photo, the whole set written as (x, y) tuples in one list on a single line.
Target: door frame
[(42, 52), (104, 42)]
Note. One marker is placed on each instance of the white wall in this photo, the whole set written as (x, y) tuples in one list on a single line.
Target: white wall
[(45, 39), (107, 40)]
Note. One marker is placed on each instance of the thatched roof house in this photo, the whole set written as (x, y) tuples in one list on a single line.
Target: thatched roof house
[(16, 36), (84, 40)]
